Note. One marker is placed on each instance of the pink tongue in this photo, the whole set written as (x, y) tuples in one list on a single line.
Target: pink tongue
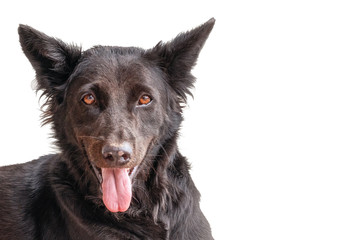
[(116, 188)]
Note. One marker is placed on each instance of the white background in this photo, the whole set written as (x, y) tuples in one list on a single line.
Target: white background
[(273, 132)]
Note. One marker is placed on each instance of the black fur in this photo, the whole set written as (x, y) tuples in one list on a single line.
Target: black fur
[(60, 196)]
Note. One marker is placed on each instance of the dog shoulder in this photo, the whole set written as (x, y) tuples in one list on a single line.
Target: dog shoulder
[(19, 189)]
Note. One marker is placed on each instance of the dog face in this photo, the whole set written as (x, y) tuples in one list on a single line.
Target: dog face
[(116, 105)]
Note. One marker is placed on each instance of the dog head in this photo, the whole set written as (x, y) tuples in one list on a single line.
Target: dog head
[(114, 103)]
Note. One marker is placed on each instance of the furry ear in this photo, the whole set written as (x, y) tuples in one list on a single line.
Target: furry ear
[(52, 59), (178, 57)]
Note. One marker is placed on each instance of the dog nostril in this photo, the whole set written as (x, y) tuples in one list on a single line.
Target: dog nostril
[(108, 156), (126, 156), (115, 154)]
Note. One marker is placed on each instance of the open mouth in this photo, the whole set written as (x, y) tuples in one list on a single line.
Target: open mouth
[(116, 186), (97, 171)]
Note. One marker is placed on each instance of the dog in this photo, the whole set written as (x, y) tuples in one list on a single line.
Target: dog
[(115, 113)]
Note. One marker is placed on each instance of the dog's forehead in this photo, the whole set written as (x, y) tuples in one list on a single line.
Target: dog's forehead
[(116, 65)]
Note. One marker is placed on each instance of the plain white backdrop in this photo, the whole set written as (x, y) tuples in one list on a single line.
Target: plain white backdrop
[(273, 132)]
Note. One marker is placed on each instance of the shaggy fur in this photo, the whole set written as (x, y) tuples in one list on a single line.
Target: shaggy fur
[(61, 196)]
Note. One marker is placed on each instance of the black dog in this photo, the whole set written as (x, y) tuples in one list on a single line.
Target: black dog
[(115, 113)]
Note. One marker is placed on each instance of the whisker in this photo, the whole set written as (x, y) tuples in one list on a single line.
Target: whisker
[(94, 137), (162, 147)]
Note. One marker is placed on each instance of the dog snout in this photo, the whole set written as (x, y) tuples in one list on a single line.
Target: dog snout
[(117, 155)]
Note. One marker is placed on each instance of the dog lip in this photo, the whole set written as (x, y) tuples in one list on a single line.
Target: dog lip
[(132, 172), (97, 172)]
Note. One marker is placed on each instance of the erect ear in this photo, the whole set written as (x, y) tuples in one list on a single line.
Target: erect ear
[(52, 59), (178, 57)]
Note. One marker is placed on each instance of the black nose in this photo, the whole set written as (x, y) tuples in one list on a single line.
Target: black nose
[(117, 154)]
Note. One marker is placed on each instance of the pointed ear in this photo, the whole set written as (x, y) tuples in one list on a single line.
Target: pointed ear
[(52, 59), (178, 57)]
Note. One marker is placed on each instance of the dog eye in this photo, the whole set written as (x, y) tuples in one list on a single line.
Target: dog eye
[(144, 100), (88, 99)]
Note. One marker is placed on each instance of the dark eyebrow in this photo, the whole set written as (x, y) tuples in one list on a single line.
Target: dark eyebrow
[(94, 87), (138, 87)]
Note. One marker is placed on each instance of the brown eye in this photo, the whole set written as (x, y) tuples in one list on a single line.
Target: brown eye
[(144, 100), (88, 99)]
